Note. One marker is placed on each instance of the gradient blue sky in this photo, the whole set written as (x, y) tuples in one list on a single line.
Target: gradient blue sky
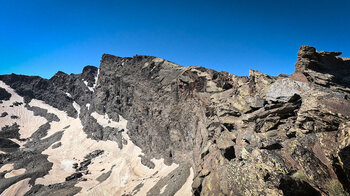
[(41, 37)]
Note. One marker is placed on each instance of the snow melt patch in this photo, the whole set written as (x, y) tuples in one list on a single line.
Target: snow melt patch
[(28, 123), (125, 176)]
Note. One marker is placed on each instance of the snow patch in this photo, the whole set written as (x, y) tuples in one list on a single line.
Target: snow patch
[(96, 78), (19, 188), (16, 172), (124, 178), (7, 167), (67, 165), (69, 95), (163, 189), (76, 107)]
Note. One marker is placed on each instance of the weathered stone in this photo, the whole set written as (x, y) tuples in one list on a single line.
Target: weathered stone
[(225, 140), (284, 89), (255, 102)]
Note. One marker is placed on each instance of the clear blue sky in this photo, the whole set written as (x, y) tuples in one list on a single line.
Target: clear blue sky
[(41, 37)]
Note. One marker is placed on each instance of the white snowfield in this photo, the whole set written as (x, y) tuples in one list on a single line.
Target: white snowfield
[(125, 164)]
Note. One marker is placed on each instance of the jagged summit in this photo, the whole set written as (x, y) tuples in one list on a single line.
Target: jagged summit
[(145, 126), (334, 69)]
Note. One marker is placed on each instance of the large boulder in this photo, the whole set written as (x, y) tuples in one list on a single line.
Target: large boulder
[(284, 89)]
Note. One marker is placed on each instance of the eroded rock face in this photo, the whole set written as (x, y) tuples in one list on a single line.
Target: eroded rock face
[(256, 135)]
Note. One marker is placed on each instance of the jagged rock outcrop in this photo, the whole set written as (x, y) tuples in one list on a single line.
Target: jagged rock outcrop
[(255, 135)]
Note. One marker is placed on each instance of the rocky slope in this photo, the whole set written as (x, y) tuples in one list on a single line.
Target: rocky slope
[(146, 126)]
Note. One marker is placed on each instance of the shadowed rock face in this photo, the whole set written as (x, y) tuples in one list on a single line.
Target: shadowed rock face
[(4, 95), (256, 135)]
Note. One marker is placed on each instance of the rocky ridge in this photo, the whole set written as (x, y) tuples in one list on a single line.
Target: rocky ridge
[(255, 135)]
